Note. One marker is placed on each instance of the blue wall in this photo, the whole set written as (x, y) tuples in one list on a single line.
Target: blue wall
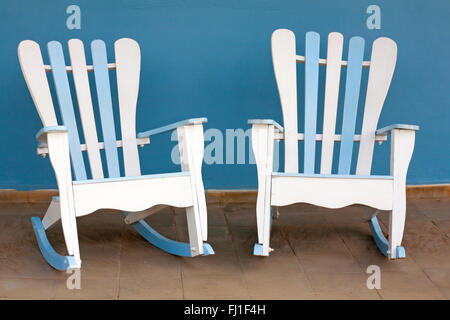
[(212, 58)]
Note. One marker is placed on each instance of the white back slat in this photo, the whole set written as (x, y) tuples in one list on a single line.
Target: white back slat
[(285, 68), (333, 74), (81, 80), (128, 63), (32, 66), (382, 65)]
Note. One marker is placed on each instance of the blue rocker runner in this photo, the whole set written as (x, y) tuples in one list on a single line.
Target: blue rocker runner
[(318, 184), (137, 195)]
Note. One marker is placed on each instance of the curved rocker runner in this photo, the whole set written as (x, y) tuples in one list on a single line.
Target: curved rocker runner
[(91, 190)]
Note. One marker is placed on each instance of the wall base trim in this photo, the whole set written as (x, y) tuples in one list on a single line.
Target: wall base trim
[(433, 191)]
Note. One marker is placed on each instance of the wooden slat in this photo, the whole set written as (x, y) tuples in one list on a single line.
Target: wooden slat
[(285, 68), (66, 107), (128, 66), (337, 137), (352, 87), (100, 62), (32, 66), (323, 62), (89, 68), (81, 80), (42, 149), (384, 57), (311, 91), (333, 74)]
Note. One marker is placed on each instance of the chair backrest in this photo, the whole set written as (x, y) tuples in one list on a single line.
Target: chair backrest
[(127, 67), (381, 64)]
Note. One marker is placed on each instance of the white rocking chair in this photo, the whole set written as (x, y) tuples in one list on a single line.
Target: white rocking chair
[(327, 189), (132, 193)]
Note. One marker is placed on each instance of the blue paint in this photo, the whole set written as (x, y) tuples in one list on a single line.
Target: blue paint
[(381, 241), (173, 247), (66, 107), (388, 129), (54, 259), (352, 86), (343, 176), (46, 130), (311, 91), (266, 121), (171, 127), (378, 236), (401, 252), (200, 59), (258, 249), (143, 177), (100, 62)]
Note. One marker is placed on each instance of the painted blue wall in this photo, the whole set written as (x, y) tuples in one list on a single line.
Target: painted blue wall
[(212, 58)]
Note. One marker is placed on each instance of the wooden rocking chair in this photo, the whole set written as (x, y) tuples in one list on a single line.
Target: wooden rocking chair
[(132, 193), (327, 189)]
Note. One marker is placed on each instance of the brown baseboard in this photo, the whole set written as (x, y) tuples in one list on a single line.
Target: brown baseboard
[(433, 191)]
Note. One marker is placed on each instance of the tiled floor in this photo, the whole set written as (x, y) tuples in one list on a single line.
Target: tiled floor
[(319, 254)]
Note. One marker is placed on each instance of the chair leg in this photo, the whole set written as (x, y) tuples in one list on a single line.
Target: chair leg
[(57, 261), (397, 226), (262, 144), (262, 248)]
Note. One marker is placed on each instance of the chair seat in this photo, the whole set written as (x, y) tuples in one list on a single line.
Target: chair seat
[(342, 176), (133, 194), (142, 177), (332, 191)]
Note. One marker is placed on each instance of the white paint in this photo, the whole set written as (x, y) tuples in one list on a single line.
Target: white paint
[(53, 214), (332, 80), (262, 142), (81, 81), (340, 192), (190, 144), (384, 57), (402, 147), (32, 66), (285, 68), (58, 147), (132, 194), (128, 67)]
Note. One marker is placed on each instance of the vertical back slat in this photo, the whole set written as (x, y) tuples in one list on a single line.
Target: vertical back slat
[(101, 75), (352, 87), (128, 64), (66, 107), (333, 74), (382, 65), (32, 65), (81, 80), (285, 69), (311, 91)]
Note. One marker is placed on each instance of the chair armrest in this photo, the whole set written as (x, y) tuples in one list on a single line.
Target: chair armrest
[(171, 127), (266, 121), (388, 129), (41, 135)]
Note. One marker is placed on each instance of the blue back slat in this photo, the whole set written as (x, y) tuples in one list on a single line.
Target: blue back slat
[(352, 86), (66, 107), (311, 92), (101, 74)]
